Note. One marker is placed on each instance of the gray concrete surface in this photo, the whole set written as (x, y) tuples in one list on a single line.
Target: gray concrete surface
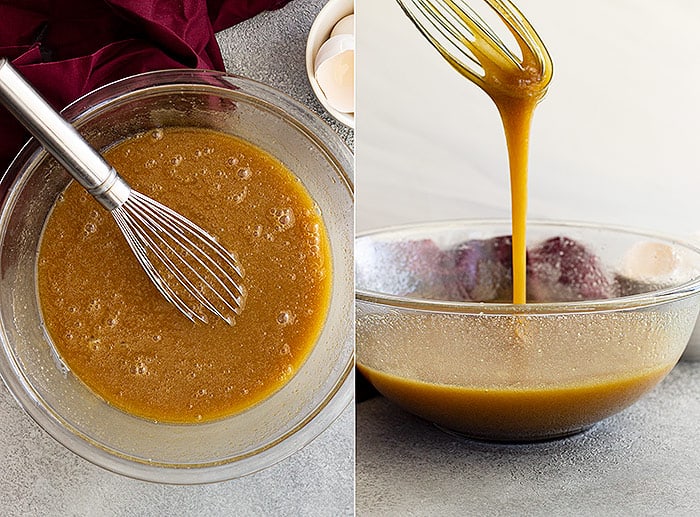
[(644, 461)]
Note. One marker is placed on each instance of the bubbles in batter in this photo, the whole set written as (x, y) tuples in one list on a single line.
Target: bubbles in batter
[(245, 173), (285, 318)]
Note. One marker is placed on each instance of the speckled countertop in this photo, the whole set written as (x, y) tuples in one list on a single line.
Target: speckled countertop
[(643, 461), (39, 477)]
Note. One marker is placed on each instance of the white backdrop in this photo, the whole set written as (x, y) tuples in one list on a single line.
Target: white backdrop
[(616, 139)]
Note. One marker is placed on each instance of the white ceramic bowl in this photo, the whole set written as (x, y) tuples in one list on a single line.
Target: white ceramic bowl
[(320, 31)]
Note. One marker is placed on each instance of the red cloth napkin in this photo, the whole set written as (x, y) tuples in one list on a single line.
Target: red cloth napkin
[(68, 48)]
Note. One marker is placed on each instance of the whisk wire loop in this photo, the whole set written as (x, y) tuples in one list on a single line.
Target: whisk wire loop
[(436, 27), (467, 41), (166, 221), (153, 215), (125, 224), (166, 243)]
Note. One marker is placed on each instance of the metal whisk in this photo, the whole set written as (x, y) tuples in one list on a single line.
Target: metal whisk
[(467, 42), (187, 265)]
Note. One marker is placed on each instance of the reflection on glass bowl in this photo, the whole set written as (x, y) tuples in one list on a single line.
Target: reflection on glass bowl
[(496, 371)]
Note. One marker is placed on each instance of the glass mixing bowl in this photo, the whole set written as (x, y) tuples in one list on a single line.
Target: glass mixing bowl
[(71, 413), (503, 372)]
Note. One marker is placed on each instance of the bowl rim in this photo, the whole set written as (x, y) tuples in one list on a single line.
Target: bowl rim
[(80, 108), (85, 104), (319, 417), (630, 302)]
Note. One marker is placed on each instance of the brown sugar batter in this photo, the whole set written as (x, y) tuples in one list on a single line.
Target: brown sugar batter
[(125, 342), (504, 414)]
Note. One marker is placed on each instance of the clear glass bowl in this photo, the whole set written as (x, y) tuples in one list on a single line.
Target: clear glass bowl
[(503, 372), (71, 413)]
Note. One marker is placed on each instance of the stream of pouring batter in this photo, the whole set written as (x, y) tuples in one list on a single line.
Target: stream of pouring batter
[(516, 115), (515, 88)]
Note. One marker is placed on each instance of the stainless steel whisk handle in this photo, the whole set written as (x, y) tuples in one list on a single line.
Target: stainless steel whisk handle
[(61, 139)]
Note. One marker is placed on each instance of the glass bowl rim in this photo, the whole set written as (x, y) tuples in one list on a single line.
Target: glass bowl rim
[(630, 302), (177, 76)]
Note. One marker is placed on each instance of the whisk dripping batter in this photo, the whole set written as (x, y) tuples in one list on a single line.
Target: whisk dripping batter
[(515, 84)]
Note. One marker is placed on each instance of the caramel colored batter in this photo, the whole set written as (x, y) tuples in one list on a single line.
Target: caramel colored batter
[(516, 413), (119, 336)]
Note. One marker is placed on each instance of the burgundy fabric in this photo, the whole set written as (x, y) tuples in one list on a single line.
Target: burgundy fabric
[(67, 48)]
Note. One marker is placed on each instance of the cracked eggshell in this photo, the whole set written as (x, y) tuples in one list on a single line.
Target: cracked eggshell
[(344, 26), (334, 69)]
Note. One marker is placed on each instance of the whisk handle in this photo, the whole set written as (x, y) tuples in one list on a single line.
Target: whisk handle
[(61, 139)]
